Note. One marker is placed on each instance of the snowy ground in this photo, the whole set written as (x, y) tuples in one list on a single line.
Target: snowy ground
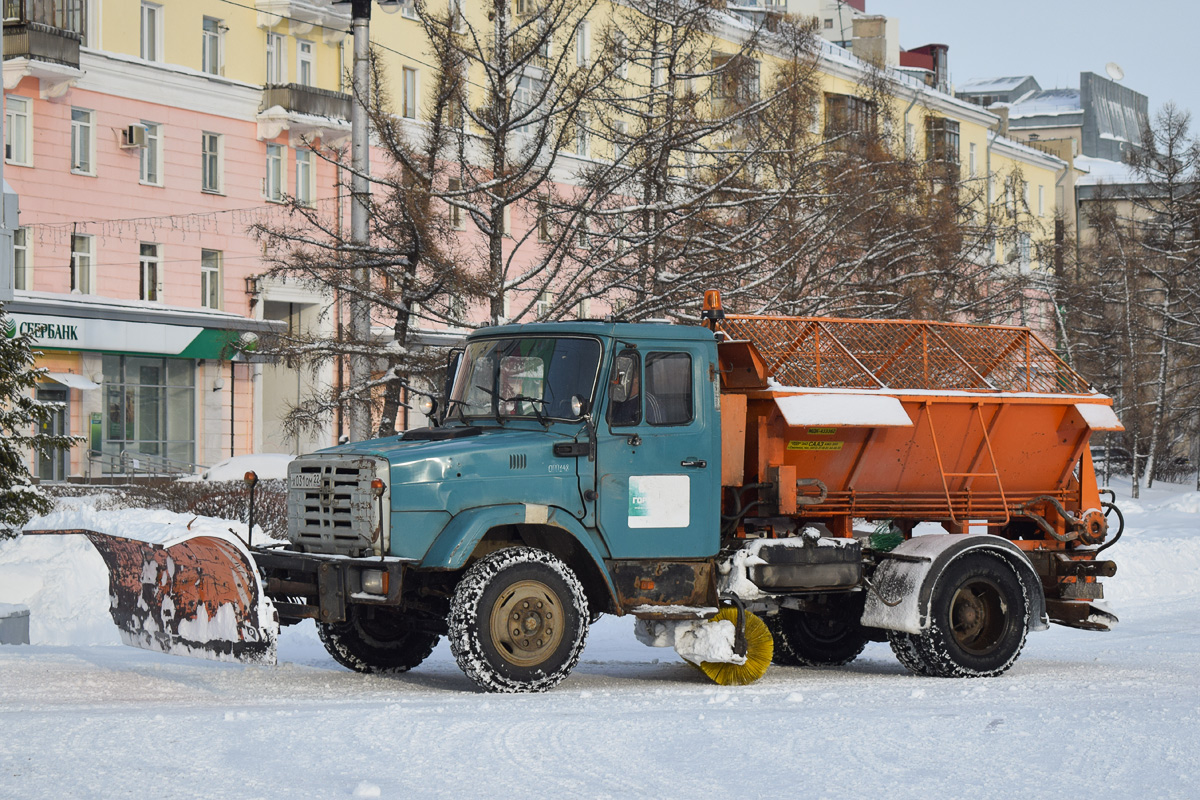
[(1113, 715)]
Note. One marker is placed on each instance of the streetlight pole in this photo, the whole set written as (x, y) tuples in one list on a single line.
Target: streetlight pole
[(359, 410)]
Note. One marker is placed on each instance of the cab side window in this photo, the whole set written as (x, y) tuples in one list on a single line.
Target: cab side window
[(624, 390), (668, 388)]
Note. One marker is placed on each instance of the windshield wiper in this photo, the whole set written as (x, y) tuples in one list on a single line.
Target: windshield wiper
[(533, 401), (495, 405)]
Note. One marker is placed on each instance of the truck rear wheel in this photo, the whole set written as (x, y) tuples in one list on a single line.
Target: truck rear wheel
[(518, 621), (376, 640), (979, 618), (812, 639)]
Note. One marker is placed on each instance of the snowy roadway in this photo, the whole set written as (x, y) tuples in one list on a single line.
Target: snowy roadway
[(1085, 714)]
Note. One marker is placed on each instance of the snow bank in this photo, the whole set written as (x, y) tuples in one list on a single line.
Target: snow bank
[(268, 466)]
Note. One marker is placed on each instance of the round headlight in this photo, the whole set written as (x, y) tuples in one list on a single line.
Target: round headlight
[(576, 405), (426, 405)]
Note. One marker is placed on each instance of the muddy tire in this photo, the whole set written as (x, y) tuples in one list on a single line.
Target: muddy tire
[(518, 621), (979, 617), (376, 640), (812, 639)]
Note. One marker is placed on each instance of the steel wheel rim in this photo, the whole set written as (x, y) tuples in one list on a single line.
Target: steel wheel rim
[(977, 616), (527, 623)]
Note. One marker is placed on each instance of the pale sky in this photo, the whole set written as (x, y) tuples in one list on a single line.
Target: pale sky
[(1154, 41)]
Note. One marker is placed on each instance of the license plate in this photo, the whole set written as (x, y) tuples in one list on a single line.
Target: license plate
[(305, 480)]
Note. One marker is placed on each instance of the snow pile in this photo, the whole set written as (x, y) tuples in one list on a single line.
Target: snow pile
[(696, 641), (267, 466)]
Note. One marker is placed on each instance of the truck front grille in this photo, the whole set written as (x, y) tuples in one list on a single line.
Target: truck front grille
[(331, 507)]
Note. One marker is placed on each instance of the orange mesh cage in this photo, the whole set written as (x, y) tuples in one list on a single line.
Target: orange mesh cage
[(904, 354)]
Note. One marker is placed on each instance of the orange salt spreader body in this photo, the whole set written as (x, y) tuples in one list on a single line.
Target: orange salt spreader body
[(981, 428)]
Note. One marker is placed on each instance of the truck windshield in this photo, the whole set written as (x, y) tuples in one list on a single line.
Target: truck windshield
[(526, 376)]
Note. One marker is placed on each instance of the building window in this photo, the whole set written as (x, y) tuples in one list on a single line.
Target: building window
[(941, 140), (543, 218), (1041, 201), (212, 50), (276, 59), (273, 187), (736, 80), (1024, 251), (18, 131), (82, 141), (620, 145), (846, 114), (210, 162), (621, 55), (150, 283), (545, 302), (582, 135), (583, 233), (305, 63), (151, 154), (972, 162), (410, 93), (210, 278), (454, 213), (22, 267), (152, 27), (584, 309), (828, 23), (149, 409), (306, 177), (408, 9), (581, 45), (81, 263)]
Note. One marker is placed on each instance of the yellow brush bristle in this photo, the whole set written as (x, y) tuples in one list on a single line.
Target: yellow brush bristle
[(759, 649)]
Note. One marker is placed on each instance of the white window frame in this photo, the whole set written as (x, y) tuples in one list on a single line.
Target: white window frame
[(972, 163), (83, 137), (306, 62), (582, 45), (620, 131), (22, 260), (276, 59), (150, 277), (306, 177), (274, 190), (211, 284), (153, 151), (212, 46), (152, 31), (217, 156), (621, 53), (455, 215), (410, 89), (1041, 200), (83, 263), (408, 9), (543, 304), (582, 134), (18, 127)]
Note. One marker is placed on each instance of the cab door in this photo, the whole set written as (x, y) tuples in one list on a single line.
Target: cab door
[(658, 453)]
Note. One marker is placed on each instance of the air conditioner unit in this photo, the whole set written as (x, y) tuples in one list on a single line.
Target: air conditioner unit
[(134, 136)]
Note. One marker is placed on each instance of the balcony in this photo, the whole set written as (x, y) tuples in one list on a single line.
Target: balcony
[(302, 16), (42, 39), (303, 111)]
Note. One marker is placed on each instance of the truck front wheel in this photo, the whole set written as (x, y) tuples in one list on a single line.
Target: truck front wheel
[(979, 616), (376, 639), (518, 621)]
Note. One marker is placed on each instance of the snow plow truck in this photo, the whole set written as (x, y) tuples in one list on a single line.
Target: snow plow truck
[(752, 490)]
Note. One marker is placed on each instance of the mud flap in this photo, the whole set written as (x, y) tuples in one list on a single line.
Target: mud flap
[(198, 596)]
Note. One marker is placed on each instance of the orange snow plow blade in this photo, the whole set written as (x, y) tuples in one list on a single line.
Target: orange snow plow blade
[(199, 596)]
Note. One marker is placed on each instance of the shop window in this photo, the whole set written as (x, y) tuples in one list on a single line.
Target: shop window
[(211, 148), (149, 411), (151, 155), (83, 149), (82, 263), (150, 268), (18, 130), (210, 278)]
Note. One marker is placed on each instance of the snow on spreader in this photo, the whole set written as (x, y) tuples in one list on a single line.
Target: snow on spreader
[(175, 590)]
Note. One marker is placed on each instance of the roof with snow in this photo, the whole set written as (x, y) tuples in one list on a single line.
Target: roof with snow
[(992, 85), (1047, 103), (1101, 170)]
